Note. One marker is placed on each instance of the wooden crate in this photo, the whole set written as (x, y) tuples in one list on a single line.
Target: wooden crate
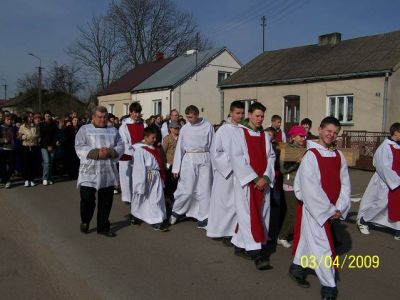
[(295, 154)]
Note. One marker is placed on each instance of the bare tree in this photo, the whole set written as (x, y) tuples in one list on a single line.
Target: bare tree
[(28, 82), (146, 27), (97, 50), (63, 79)]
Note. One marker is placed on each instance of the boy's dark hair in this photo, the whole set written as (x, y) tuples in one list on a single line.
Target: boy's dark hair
[(394, 127), (256, 105), (236, 104), (330, 120), (306, 121), (270, 129), (47, 112), (149, 130), (275, 118), (135, 107), (192, 109)]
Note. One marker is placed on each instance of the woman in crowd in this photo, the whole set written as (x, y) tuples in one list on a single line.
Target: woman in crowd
[(29, 134)]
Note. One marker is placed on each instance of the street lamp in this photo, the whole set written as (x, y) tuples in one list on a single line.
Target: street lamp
[(5, 88), (39, 80)]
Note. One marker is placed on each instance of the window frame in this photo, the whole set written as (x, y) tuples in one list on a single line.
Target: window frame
[(157, 105), (225, 74), (336, 105)]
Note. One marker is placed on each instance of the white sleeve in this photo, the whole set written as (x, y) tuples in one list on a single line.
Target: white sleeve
[(383, 161), (164, 130), (123, 132), (271, 157), (219, 153), (240, 164), (308, 189), (119, 146), (82, 147), (139, 174), (343, 203)]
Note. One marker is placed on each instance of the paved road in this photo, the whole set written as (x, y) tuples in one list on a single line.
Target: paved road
[(44, 256)]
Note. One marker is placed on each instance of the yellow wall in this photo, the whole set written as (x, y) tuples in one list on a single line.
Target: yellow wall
[(368, 100), (119, 101)]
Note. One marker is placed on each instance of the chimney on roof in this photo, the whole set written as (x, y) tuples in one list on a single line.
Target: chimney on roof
[(331, 39), (159, 56)]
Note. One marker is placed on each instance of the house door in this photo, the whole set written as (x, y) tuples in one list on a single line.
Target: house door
[(292, 111)]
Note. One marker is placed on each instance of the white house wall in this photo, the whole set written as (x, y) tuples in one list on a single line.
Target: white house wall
[(147, 100), (118, 100), (394, 98), (201, 90), (368, 100)]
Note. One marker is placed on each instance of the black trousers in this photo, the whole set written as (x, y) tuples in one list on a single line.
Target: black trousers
[(6, 165), (88, 204), (29, 161)]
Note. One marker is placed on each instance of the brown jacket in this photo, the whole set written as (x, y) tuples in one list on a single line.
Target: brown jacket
[(169, 146)]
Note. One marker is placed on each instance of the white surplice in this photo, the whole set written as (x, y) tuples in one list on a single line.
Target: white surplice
[(317, 209), (125, 167), (148, 203), (192, 162), (374, 203), (99, 173), (222, 218), (243, 175)]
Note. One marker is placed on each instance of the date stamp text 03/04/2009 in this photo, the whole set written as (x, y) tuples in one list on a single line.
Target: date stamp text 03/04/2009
[(340, 262)]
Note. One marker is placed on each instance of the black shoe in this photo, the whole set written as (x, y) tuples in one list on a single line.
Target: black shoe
[(262, 263), (298, 274), (134, 221), (227, 242), (329, 293), (242, 253), (85, 228), (107, 233), (160, 227)]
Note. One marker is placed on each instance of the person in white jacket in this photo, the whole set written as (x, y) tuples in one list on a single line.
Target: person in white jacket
[(193, 165), (380, 203), (148, 203), (253, 160), (222, 218), (322, 187)]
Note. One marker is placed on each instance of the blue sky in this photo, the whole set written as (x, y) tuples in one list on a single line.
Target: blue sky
[(48, 27)]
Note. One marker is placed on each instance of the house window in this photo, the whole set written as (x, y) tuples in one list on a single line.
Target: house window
[(157, 107), (126, 108), (222, 76), (341, 107), (111, 108), (247, 104)]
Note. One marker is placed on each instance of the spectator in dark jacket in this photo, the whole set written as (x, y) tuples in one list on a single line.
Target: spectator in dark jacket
[(48, 142), (71, 159), (7, 141)]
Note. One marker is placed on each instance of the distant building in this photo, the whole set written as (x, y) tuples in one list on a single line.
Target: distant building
[(118, 95), (191, 78), (355, 80)]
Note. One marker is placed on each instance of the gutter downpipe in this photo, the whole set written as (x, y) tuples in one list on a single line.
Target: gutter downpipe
[(385, 101), (222, 104)]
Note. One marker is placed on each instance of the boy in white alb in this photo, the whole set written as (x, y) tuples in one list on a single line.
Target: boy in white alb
[(222, 219), (322, 186), (380, 203), (193, 165), (148, 203)]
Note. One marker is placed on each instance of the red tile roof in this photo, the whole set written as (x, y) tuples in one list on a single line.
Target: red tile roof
[(134, 77)]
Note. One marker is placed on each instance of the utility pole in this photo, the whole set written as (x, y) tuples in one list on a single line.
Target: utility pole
[(197, 50), (39, 80), (263, 25)]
